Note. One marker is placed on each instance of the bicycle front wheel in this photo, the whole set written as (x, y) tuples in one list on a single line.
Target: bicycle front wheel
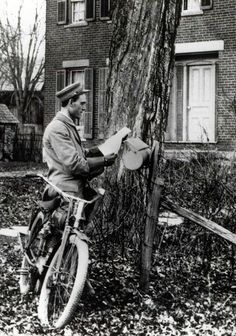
[(61, 291)]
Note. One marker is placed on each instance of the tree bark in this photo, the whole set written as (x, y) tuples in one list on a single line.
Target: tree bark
[(141, 66), (139, 80)]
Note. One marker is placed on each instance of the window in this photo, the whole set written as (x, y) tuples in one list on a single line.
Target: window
[(192, 105), (77, 76), (195, 6), (85, 78), (191, 5), (77, 11)]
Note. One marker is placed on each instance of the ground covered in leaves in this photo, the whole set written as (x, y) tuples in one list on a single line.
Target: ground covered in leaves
[(183, 299)]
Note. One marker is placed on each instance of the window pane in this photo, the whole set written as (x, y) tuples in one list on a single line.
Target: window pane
[(191, 4), (77, 76), (78, 11)]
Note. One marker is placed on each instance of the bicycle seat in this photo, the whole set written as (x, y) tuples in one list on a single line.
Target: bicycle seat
[(49, 194), (50, 199)]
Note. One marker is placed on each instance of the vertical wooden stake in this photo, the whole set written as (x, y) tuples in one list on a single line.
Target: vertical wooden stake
[(151, 221)]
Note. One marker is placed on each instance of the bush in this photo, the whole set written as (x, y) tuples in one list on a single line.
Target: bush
[(204, 183)]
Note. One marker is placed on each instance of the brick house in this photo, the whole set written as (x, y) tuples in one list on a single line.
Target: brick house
[(77, 45), (203, 99)]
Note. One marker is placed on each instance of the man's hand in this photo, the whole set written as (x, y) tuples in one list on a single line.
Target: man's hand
[(109, 159)]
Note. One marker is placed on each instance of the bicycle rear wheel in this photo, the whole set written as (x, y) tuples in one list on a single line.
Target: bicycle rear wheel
[(61, 292)]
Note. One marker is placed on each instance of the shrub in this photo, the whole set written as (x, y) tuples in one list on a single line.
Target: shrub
[(203, 182)]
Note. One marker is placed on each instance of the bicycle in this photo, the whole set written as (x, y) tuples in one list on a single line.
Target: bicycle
[(56, 256)]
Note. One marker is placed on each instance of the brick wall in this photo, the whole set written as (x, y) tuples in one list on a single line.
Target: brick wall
[(73, 43), (92, 42)]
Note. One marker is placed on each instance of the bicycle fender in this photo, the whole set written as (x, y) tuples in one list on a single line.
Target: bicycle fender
[(81, 235)]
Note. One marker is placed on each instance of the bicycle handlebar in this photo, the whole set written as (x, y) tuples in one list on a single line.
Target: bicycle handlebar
[(65, 195)]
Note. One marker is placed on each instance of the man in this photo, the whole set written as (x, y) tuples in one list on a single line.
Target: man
[(70, 166)]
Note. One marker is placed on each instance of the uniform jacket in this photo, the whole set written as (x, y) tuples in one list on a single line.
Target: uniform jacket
[(65, 157)]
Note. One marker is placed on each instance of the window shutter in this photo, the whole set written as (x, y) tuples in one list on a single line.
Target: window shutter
[(217, 71), (90, 10), (170, 134), (61, 11), (60, 84), (179, 100), (105, 9), (102, 86), (205, 4), (61, 80), (185, 4), (88, 115)]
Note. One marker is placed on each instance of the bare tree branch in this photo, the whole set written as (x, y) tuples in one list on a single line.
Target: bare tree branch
[(20, 65)]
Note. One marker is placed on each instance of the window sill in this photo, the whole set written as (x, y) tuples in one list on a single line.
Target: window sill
[(192, 12), (104, 18), (77, 24)]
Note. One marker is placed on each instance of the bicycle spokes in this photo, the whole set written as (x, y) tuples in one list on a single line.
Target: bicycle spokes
[(61, 285)]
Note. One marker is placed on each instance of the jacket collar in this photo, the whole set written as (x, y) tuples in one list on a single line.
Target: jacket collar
[(62, 117), (67, 120)]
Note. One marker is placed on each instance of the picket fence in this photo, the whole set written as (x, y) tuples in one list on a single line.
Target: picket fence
[(28, 147)]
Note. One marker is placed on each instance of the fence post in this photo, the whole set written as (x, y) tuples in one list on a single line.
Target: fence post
[(156, 186)]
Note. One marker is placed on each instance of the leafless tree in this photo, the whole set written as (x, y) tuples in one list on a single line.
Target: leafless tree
[(20, 63)]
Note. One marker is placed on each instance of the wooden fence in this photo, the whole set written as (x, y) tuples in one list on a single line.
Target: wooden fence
[(28, 147)]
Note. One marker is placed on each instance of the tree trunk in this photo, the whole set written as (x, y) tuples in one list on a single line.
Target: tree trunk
[(141, 66), (140, 74)]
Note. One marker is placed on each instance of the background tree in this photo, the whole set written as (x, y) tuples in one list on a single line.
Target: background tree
[(21, 65), (139, 81)]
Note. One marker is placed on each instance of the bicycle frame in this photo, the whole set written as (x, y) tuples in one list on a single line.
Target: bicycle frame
[(56, 255), (80, 205)]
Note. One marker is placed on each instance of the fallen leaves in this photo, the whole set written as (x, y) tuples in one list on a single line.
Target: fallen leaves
[(181, 301)]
